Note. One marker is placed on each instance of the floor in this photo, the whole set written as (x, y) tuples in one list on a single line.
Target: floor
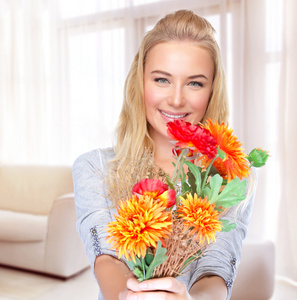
[(21, 285)]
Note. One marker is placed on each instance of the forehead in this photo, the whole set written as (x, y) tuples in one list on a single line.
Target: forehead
[(179, 57)]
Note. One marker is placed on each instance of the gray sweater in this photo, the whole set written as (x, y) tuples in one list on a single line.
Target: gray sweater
[(93, 212)]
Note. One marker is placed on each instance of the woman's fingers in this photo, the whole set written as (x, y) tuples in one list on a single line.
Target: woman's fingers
[(168, 284), (166, 288), (152, 296), (133, 285), (131, 282)]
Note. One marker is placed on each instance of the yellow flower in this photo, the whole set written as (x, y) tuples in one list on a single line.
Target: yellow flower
[(140, 224), (235, 163), (200, 217)]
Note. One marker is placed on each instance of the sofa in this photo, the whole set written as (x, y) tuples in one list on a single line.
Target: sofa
[(38, 220)]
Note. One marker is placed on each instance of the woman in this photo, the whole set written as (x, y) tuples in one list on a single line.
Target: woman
[(177, 74)]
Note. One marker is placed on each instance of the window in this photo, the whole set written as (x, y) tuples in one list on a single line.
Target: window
[(101, 39)]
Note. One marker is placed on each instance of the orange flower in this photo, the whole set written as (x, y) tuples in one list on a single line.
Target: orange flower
[(140, 224), (156, 189), (235, 163), (200, 217)]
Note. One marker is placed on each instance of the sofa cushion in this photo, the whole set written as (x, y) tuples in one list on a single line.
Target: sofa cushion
[(22, 227)]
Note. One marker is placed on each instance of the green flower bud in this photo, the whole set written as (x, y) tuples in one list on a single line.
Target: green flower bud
[(258, 157)]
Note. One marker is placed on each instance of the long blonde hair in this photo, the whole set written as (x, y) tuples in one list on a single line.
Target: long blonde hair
[(132, 137)]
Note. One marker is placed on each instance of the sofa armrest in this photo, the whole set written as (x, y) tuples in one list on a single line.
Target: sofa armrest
[(255, 276), (64, 250)]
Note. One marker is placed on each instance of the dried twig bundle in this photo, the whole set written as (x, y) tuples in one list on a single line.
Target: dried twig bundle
[(180, 247), (121, 180)]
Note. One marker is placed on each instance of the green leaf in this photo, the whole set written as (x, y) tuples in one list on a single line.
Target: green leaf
[(212, 192), (219, 209), (233, 193), (139, 274), (131, 264), (185, 188), (196, 171), (159, 258), (227, 227), (169, 183), (149, 256), (138, 267), (191, 183), (221, 153)]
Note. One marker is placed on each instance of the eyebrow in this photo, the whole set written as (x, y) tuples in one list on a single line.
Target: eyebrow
[(169, 75)]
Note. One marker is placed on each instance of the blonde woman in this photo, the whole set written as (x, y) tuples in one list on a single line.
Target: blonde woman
[(176, 74)]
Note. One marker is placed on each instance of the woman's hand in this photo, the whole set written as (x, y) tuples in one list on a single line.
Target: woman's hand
[(160, 288)]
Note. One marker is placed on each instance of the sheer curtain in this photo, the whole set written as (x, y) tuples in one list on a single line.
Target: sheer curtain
[(63, 67), (28, 82), (62, 70), (265, 115), (287, 233)]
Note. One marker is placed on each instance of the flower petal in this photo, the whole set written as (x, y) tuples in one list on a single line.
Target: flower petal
[(168, 198)]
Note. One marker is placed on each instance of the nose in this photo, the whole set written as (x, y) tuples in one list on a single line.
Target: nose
[(176, 97)]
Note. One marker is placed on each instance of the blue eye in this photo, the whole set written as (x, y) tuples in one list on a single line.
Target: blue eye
[(161, 80), (196, 84)]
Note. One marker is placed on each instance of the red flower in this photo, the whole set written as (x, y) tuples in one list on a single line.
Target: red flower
[(191, 154), (193, 137), (205, 143), (156, 189)]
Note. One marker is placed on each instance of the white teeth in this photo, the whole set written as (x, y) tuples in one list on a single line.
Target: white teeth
[(173, 116)]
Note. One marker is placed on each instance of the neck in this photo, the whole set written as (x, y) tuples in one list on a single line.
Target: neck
[(163, 155)]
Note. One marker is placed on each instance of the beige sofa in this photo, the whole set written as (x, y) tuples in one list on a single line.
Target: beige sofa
[(38, 220)]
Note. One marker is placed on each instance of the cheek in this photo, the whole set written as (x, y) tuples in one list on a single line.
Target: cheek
[(200, 106), (150, 98)]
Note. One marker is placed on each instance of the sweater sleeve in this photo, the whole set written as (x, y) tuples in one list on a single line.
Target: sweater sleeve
[(223, 257), (92, 206)]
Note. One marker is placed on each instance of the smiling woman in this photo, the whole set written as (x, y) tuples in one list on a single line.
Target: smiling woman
[(63, 66), (177, 75)]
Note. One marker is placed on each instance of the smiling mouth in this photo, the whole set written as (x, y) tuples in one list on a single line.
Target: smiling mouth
[(173, 116)]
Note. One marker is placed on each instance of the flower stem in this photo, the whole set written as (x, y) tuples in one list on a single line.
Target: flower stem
[(143, 267), (178, 167), (207, 172)]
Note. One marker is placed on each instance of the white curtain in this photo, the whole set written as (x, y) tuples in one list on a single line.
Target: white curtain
[(29, 99), (265, 115), (63, 67), (287, 222), (62, 71)]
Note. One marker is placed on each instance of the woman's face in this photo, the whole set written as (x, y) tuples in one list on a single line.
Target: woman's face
[(177, 84)]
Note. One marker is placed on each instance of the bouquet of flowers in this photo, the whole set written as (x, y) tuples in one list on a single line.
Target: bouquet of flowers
[(164, 225)]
